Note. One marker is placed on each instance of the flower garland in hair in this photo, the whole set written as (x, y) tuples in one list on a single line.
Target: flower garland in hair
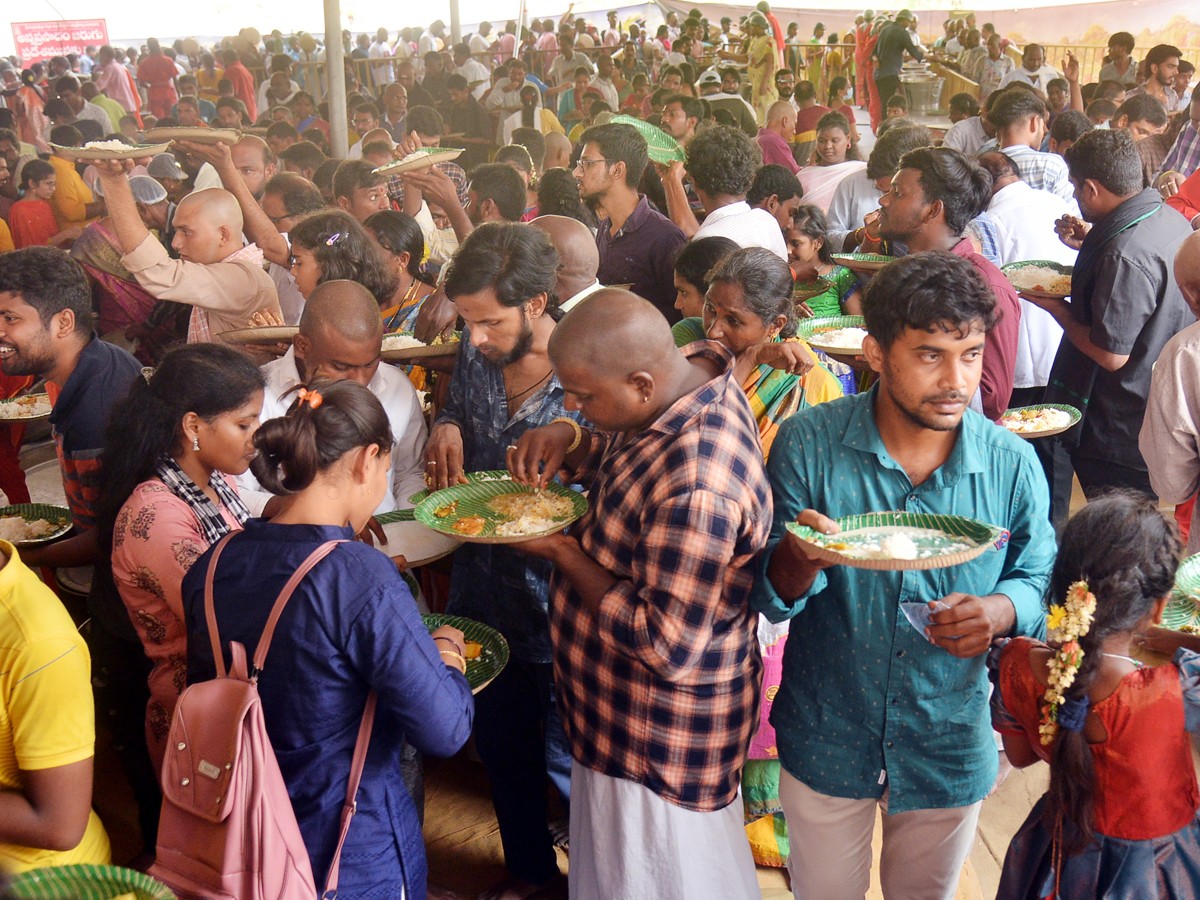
[(1065, 625)]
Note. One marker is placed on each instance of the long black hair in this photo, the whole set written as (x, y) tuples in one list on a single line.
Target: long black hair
[(397, 233), (296, 447), (147, 424), (344, 251), (1127, 552)]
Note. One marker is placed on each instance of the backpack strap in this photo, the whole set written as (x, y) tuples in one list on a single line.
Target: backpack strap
[(348, 809), (264, 642), (210, 614)]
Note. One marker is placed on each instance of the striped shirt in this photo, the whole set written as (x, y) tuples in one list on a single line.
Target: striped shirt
[(659, 685)]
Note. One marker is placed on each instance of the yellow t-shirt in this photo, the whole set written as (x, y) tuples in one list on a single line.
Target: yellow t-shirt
[(71, 194), (6, 241), (47, 716)]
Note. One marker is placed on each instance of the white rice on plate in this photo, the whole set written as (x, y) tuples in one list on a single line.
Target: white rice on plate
[(16, 530), (400, 342), (530, 513), (106, 145), (1040, 278), (1028, 421), (847, 338), (25, 407)]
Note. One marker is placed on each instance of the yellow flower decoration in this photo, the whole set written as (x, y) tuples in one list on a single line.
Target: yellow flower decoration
[(1065, 625)]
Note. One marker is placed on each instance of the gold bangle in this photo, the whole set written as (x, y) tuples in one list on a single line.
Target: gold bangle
[(454, 655), (575, 426)]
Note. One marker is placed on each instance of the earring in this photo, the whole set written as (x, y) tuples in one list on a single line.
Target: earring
[(645, 398), (195, 442)]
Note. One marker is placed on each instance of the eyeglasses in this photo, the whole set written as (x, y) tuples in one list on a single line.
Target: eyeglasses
[(584, 163)]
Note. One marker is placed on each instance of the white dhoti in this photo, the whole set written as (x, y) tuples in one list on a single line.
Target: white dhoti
[(629, 843)]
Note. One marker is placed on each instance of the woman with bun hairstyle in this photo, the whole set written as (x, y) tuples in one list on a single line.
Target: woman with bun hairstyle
[(350, 627)]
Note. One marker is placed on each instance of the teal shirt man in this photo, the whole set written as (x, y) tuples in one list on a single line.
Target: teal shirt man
[(866, 701)]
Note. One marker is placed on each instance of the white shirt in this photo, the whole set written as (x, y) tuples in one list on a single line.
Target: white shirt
[(94, 113), (264, 103), (854, 197), (383, 72), (1038, 79), (608, 91), (206, 178), (746, 227), (473, 70), (1024, 219), (966, 136), (399, 398), (562, 70), (569, 304), (478, 43), (291, 301)]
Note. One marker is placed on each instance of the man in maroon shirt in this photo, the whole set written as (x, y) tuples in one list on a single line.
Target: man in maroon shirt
[(157, 72), (243, 82), (934, 194)]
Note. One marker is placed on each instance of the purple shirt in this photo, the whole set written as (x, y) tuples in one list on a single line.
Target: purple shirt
[(642, 254), (775, 150)]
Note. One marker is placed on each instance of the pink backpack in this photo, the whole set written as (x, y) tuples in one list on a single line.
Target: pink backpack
[(228, 829)]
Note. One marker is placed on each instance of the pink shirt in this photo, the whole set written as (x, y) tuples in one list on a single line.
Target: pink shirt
[(156, 538), (776, 151)]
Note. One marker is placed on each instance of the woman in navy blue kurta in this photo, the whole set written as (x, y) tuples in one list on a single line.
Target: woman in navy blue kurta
[(350, 627)]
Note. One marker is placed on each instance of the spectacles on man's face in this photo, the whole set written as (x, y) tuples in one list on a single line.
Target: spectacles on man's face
[(584, 163)]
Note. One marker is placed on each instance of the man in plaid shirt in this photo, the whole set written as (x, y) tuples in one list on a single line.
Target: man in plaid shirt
[(654, 642)]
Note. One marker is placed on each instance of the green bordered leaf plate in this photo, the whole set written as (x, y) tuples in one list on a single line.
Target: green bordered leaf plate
[(940, 540), (58, 516), (25, 409), (1183, 607), (660, 146), (1015, 268), (812, 330), (1013, 418), (806, 290), (421, 158), (468, 500), (84, 882), (493, 654), (487, 475), (869, 263)]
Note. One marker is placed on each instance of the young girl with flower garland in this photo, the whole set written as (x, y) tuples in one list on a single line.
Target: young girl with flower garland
[(1120, 817)]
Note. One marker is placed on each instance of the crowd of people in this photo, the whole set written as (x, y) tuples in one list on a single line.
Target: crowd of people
[(638, 221)]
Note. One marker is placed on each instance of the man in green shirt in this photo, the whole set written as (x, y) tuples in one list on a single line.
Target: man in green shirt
[(876, 710)]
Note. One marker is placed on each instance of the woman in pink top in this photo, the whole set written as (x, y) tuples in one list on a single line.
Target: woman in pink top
[(176, 440)]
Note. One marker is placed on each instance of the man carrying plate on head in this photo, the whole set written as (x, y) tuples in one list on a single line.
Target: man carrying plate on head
[(903, 727), (502, 282), (655, 647)]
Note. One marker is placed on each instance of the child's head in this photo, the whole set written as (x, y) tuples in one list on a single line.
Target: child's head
[(38, 180), (336, 432), (695, 260), (897, 105), (1127, 553), (807, 237)]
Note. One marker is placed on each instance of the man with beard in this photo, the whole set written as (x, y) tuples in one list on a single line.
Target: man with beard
[(502, 281), (1162, 65), (637, 243), (933, 196), (906, 728)]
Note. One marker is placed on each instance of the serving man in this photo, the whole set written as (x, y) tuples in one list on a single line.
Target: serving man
[(905, 728), (655, 650), (219, 277), (502, 281)]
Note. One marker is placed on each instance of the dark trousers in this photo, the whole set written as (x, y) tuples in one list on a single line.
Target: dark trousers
[(1026, 396), (889, 86), (1095, 477), (1099, 475), (519, 738)]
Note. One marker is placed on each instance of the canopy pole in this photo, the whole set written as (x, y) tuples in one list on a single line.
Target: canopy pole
[(455, 22), (335, 66)]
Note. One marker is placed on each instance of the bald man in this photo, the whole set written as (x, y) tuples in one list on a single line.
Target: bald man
[(655, 653), (578, 259), (774, 138), (558, 152), (1170, 436), (221, 278), (340, 337)]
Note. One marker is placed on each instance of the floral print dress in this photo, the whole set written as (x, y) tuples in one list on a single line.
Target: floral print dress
[(156, 538)]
